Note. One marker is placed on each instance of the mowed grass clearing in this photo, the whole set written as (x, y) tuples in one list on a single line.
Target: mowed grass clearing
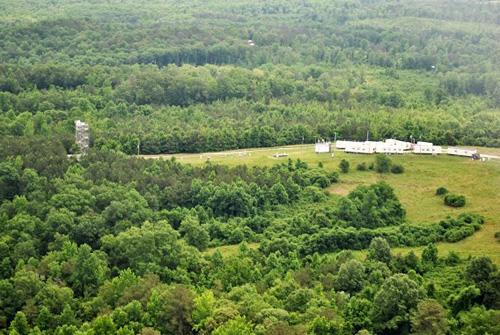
[(416, 187)]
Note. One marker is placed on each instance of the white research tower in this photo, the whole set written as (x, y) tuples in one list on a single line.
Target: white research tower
[(82, 135)]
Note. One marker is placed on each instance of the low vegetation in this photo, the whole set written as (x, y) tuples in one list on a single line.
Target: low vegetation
[(454, 200), (441, 190)]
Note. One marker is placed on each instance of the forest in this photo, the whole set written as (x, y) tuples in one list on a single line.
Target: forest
[(183, 78), (111, 243), (116, 244)]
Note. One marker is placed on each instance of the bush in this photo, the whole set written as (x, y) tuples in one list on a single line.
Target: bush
[(371, 166), (397, 168), (361, 167), (344, 166), (441, 190), (454, 200), (383, 164)]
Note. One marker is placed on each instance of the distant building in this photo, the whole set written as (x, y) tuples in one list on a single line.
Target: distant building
[(399, 144), (323, 147), (423, 148), (343, 144), (82, 135), (389, 148), (465, 152), (367, 147)]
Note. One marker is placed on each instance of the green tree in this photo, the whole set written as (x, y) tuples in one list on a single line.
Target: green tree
[(278, 194), (89, 273), (429, 318), (322, 326), (204, 306), (430, 255), (20, 324), (380, 250), (175, 316), (479, 321), (344, 166), (485, 275), (194, 233), (68, 317), (45, 320), (383, 164), (104, 325), (10, 179), (397, 296), (238, 326), (351, 276), (464, 299)]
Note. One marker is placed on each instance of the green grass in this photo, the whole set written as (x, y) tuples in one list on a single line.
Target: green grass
[(229, 250), (416, 187)]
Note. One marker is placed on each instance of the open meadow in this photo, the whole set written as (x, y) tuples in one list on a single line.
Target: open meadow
[(416, 187)]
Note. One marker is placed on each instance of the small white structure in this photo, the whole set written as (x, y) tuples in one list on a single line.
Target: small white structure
[(323, 147), (465, 152)]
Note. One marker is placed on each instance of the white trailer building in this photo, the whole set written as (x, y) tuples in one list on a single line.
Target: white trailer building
[(423, 148), (427, 149), (399, 144), (389, 148), (361, 147), (342, 144), (465, 152), (323, 147)]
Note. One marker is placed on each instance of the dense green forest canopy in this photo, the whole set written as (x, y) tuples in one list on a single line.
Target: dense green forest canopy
[(116, 244), (112, 244), (184, 78)]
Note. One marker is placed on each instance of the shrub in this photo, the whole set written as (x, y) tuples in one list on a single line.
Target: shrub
[(383, 164), (371, 166), (454, 200), (441, 190), (397, 168), (361, 167), (344, 166)]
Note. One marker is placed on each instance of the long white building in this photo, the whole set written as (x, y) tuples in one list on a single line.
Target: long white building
[(389, 146), (465, 152), (427, 148), (366, 147)]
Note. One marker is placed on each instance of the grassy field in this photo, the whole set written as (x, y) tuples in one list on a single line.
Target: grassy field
[(478, 181)]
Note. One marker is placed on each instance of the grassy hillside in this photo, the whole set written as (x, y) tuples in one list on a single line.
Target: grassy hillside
[(478, 181)]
